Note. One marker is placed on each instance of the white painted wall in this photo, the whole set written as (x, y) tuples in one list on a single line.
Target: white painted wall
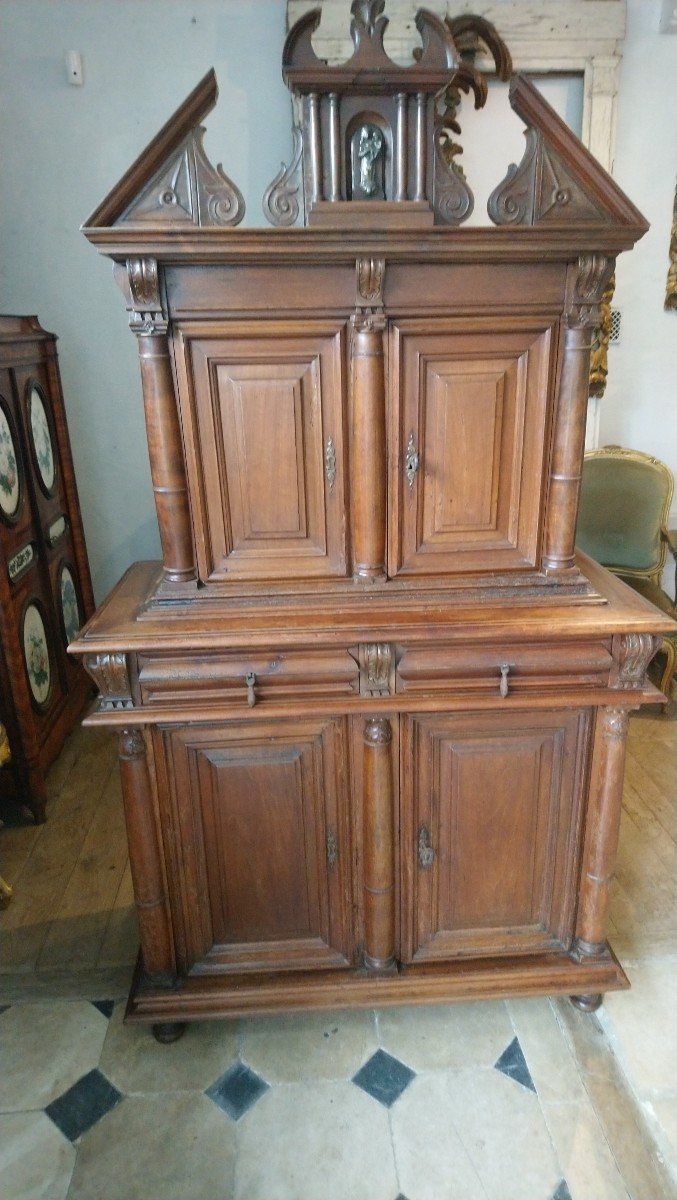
[(63, 147), (640, 405)]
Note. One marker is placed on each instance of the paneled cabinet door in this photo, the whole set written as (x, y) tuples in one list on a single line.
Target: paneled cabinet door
[(468, 428), (258, 843), (263, 416), (492, 821)]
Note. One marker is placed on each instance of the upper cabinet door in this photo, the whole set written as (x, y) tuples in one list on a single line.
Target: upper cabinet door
[(263, 418), (468, 429)]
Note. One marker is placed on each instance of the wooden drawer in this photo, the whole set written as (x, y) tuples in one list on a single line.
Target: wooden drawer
[(481, 668), (226, 678)]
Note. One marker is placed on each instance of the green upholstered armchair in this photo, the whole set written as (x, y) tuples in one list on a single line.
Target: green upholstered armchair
[(622, 522)]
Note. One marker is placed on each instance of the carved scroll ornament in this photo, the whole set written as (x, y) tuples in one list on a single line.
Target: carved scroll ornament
[(111, 676), (188, 190), (283, 199), (635, 651), (587, 290)]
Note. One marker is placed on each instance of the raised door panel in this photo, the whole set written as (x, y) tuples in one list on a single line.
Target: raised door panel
[(469, 415), (263, 412), (259, 848), (492, 815)]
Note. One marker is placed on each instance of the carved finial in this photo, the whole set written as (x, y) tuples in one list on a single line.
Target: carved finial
[(367, 20)]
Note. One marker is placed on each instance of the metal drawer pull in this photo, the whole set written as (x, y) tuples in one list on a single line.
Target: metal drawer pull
[(412, 461), (426, 854), (332, 850), (330, 463), (250, 680), (503, 686)]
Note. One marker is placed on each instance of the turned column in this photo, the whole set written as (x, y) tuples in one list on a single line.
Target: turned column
[(368, 447), (601, 833), (148, 321), (145, 859), (581, 317), (379, 849)]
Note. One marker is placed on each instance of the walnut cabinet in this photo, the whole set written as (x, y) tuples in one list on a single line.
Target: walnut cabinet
[(371, 704)]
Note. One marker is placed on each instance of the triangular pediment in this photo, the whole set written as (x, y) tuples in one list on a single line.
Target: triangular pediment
[(172, 182), (558, 182)]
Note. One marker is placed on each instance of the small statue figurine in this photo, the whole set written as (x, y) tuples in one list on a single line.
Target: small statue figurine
[(369, 147)]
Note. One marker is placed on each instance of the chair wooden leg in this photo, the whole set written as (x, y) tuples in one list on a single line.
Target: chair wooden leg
[(670, 649)]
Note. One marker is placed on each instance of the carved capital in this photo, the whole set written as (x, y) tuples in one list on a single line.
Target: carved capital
[(365, 321), (370, 278), (633, 652), (111, 676), (131, 743), (614, 723), (586, 289), (377, 731), (376, 669)]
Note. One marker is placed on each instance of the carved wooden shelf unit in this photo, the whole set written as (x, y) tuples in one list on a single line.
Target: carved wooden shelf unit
[(45, 587), (372, 708)]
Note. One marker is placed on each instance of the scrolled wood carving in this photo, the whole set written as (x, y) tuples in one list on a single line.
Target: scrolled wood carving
[(585, 295), (111, 676), (453, 200), (283, 197), (539, 190), (146, 309), (376, 663), (370, 274), (635, 652), (188, 190)]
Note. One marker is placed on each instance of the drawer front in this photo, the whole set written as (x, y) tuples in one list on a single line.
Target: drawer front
[(245, 680), (504, 667)]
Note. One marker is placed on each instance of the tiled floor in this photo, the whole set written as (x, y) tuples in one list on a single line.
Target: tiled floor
[(486, 1101)]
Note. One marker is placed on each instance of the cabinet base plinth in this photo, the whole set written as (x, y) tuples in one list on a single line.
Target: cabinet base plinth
[(200, 997)]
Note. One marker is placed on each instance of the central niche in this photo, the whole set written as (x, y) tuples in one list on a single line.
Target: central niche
[(369, 152)]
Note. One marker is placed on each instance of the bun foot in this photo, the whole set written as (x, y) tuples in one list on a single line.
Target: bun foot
[(167, 1032), (587, 1004)]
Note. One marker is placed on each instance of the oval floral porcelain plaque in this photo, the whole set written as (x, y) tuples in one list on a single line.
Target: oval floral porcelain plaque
[(10, 491), (36, 654), (70, 608), (42, 439)]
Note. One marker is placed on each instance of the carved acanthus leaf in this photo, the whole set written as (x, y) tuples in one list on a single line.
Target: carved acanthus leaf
[(589, 284), (635, 652), (370, 278), (376, 665), (281, 200), (188, 190), (111, 676)]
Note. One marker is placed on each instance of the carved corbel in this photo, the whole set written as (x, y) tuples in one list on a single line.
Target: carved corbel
[(632, 653), (377, 669), (370, 279), (140, 283), (111, 676), (585, 290)]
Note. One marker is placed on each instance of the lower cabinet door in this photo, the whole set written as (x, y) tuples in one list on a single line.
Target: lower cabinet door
[(492, 812), (257, 843)]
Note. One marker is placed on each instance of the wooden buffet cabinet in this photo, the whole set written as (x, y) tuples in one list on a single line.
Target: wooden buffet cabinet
[(372, 709)]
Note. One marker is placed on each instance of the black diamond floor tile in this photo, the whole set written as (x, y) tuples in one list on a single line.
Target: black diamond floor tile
[(85, 1103), (513, 1064), (237, 1090), (384, 1078), (561, 1192), (104, 1006)]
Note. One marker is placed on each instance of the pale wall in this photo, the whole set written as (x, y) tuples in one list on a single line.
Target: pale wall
[(640, 405), (63, 147)]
